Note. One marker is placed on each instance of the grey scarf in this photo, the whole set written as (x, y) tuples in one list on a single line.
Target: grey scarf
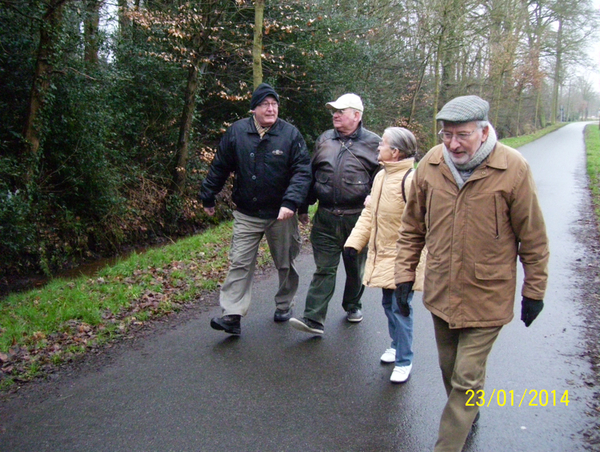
[(462, 173)]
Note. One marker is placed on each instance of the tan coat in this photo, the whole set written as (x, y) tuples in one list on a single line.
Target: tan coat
[(379, 225), (473, 238)]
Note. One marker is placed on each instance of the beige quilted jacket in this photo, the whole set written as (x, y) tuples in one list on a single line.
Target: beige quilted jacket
[(379, 224)]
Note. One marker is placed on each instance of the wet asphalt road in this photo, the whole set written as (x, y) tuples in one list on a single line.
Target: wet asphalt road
[(189, 388)]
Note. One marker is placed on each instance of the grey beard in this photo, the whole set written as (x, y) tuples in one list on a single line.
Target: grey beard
[(462, 172)]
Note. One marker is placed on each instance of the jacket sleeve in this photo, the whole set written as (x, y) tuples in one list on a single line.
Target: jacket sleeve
[(361, 233), (221, 167), (311, 197), (301, 176), (529, 227), (412, 232)]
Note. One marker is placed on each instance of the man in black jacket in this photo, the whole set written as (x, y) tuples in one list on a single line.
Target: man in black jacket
[(343, 165), (272, 177)]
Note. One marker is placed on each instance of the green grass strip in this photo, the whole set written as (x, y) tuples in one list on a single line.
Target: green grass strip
[(517, 142), (592, 145), (52, 324)]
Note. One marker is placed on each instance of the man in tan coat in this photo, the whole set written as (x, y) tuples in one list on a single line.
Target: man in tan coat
[(473, 203)]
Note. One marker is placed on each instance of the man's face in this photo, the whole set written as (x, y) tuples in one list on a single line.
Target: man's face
[(267, 111), (463, 140), (345, 121)]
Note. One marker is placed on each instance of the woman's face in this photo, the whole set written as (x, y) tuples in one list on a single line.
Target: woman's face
[(386, 153)]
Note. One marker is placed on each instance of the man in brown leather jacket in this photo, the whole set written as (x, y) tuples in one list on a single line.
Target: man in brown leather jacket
[(343, 166)]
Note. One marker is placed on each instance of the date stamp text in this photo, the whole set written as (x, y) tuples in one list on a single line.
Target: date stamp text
[(530, 397)]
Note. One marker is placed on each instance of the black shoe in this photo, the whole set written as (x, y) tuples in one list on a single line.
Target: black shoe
[(475, 420), (354, 315), (228, 323), (307, 326), (282, 316)]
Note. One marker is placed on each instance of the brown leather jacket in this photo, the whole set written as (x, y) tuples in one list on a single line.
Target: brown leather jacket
[(343, 169)]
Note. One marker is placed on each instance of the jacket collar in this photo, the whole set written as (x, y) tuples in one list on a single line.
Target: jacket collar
[(405, 164), (251, 126), (497, 159), (353, 136)]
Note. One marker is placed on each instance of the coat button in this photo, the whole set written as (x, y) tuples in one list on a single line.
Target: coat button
[(253, 177)]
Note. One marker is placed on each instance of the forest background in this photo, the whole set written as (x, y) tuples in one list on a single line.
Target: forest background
[(111, 111)]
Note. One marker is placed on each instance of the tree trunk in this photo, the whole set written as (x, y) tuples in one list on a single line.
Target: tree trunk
[(92, 22), (187, 116), (41, 79), (436, 91), (557, 72), (123, 20), (257, 45), (413, 103)]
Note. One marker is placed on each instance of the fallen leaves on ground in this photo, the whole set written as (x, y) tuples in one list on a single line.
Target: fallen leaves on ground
[(164, 292)]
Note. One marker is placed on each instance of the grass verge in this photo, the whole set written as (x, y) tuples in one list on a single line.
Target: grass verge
[(592, 145), (46, 327), (517, 142)]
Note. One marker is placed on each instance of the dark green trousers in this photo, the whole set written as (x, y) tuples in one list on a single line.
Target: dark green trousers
[(328, 235)]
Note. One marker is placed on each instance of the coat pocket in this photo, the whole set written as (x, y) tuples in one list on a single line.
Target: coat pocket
[(489, 272)]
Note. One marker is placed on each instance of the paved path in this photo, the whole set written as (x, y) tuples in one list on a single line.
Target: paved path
[(189, 388)]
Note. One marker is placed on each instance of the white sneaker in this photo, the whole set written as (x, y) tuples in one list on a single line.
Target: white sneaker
[(389, 356), (400, 374)]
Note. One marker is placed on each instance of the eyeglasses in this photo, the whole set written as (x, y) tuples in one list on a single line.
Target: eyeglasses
[(460, 136), (341, 112), (268, 104)]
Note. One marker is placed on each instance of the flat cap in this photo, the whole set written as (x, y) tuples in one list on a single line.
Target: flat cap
[(464, 109)]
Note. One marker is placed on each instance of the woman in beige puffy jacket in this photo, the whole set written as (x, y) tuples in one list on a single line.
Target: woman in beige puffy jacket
[(378, 227)]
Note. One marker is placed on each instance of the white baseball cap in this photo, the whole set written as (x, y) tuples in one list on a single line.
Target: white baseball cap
[(349, 100)]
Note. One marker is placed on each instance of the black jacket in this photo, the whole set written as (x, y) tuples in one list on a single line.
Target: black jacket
[(270, 173), (343, 170)]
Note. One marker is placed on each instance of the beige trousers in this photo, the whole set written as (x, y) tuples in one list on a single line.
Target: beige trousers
[(463, 356), (283, 239)]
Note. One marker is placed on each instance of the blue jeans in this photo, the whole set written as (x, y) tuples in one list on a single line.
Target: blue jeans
[(400, 327)]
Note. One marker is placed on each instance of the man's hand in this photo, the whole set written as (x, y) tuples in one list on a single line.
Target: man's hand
[(303, 218), (285, 213), (210, 211), (350, 252), (403, 290), (530, 310)]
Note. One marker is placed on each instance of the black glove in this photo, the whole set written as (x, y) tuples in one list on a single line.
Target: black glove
[(403, 290), (530, 309), (350, 252)]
